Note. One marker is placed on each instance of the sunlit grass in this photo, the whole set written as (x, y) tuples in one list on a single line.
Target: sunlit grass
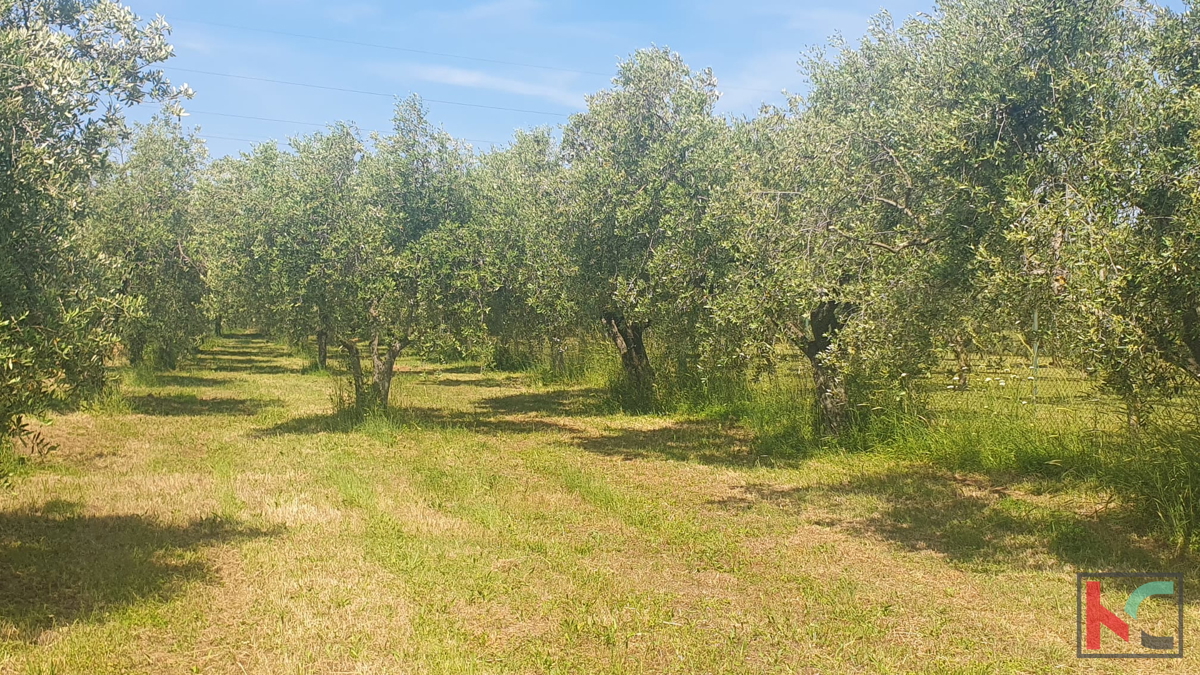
[(222, 518)]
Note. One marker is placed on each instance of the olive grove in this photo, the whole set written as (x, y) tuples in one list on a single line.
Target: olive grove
[(940, 181)]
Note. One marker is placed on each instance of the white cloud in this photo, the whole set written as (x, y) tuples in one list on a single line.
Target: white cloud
[(198, 45), (556, 92), (814, 22), (761, 79), (521, 18), (496, 10), (353, 12)]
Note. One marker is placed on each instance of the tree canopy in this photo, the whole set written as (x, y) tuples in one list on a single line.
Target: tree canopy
[(941, 182)]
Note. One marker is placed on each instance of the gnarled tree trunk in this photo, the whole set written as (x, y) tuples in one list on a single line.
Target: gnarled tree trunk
[(322, 348), (354, 362), (832, 401), (558, 356), (383, 366), (375, 394), (627, 336), (1191, 339), (962, 354)]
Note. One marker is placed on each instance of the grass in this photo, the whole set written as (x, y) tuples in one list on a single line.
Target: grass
[(222, 519)]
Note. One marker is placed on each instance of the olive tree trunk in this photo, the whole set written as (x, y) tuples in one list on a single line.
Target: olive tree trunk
[(354, 363), (627, 337), (322, 348), (831, 403), (1191, 339), (962, 354), (374, 394), (558, 356), (383, 366)]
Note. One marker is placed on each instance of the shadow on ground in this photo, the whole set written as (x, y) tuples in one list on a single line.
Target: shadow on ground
[(554, 403), (412, 417), (176, 405), (244, 353), (59, 567), (969, 520), (703, 441), (975, 522), (483, 382), (189, 381), (243, 364)]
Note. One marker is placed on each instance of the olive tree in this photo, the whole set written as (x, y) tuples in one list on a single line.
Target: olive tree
[(243, 207), (529, 299), (1104, 231), (69, 67), (140, 228), (874, 204), (641, 171), (409, 188)]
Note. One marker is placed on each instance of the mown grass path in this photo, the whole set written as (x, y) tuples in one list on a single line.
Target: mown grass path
[(223, 521)]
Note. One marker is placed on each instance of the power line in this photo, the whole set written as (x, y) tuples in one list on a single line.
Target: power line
[(410, 50), (364, 92), (233, 138), (311, 124), (251, 117)]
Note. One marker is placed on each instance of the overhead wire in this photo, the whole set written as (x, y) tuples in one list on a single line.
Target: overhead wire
[(190, 111), (362, 91), (233, 138)]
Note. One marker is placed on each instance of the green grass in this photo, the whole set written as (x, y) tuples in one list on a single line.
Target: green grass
[(224, 519)]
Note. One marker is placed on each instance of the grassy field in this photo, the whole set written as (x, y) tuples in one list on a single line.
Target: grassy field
[(220, 519)]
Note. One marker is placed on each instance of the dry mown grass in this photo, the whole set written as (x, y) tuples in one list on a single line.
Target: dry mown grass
[(222, 520)]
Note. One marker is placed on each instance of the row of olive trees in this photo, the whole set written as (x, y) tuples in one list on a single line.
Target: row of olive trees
[(343, 242), (68, 68), (940, 181)]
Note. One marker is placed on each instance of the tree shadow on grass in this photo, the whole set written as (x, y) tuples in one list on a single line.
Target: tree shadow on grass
[(976, 523), (750, 495), (461, 369), (190, 381), (518, 413), (971, 522), (482, 382), (58, 567), (555, 403), (704, 441), (408, 418), (244, 364), (178, 405), (243, 354)]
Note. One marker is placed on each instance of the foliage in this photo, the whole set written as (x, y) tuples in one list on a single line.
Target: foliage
[(69, 67), (644, 161), (243, 208), (518, 197), (140, 228)]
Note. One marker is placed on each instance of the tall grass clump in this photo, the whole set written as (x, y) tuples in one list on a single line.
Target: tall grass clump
[(110, 400), (1157, 474), (995, 445), (778, 410), (10, 462), (579, 362)]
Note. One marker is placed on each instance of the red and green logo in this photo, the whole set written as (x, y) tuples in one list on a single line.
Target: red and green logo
[(1154, 607)]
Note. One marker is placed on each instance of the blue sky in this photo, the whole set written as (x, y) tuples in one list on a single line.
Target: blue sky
[(751, 45)]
